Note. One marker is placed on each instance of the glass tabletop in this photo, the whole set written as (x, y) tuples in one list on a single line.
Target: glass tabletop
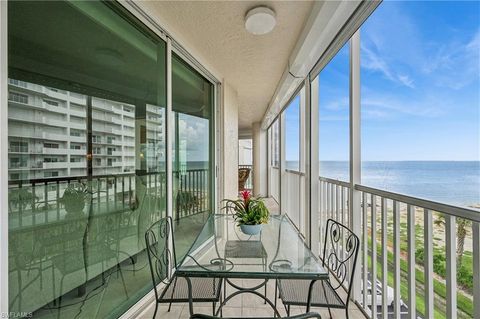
[(223, 250)]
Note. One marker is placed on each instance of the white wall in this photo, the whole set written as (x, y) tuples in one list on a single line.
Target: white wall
[(229, 143), (260, 177), (245, 152)]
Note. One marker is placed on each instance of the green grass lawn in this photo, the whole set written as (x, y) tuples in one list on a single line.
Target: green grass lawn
[(463, 302)]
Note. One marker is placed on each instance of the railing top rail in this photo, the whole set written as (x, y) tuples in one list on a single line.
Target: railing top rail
[(334, 181), (84, 177), (294, 172), (457, 211)]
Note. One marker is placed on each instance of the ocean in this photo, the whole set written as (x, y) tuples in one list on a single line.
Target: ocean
[(451, 182)]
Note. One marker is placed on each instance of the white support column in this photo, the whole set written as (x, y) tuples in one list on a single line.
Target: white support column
[(3, 160), (354, 206), (229, 137), (259, 159), (169, 127), (314, 198), (282, 174)]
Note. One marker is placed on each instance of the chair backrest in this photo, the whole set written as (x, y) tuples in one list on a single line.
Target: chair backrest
[(161, 254), (340, 252), (307, 315), (243, 174)]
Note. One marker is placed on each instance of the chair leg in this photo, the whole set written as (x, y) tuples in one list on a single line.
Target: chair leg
[(265, 301), (156, 308), (213, 308), (330, 312), (288, 310), (346, 312)]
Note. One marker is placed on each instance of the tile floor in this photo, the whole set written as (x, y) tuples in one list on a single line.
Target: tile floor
[(246, 305)]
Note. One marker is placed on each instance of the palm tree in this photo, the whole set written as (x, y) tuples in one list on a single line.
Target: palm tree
[(462, 231)]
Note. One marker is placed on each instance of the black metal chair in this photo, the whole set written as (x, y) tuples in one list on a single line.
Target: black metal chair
[(162, 259), (307, 315), (340, 254)]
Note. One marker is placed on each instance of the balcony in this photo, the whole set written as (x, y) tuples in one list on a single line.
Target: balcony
[(360, 84)]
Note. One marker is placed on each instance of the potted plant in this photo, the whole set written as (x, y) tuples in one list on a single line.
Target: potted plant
[(73, 200), (250, 213)]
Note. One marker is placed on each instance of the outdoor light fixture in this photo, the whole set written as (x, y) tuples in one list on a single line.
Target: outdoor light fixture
[(260, 20)]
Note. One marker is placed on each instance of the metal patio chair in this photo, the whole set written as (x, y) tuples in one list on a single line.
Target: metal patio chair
[(162, 259), (340, 254)]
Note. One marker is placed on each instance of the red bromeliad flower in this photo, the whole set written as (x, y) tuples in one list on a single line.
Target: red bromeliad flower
[(246, 195)]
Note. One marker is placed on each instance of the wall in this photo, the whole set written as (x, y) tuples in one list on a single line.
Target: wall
[(260, 178), (229, 144), (245, 152)]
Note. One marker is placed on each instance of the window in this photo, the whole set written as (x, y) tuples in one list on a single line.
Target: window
[(192, 147), (50, 174), (96, 139), (110, 139), (292, 135), (110, 150), (333, 84), (76, 159), (420, 100), (50, 145), (75, 147), (75, 133), (110, 161), (45, 54), (18, 147), (50, 102), (18, 162), (17, 97)]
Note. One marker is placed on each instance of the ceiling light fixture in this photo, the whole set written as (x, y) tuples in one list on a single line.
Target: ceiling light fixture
[(260, 20)]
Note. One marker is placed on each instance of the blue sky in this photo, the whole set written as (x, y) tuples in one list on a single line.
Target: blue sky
[(420, 85)]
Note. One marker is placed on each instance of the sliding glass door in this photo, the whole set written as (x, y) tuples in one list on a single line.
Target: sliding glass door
[(192, 97), (87, 156)]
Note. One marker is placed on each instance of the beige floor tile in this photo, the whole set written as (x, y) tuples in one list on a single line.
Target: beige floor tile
[(163, 312)]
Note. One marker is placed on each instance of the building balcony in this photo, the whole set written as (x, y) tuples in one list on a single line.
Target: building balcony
[(308, 105)]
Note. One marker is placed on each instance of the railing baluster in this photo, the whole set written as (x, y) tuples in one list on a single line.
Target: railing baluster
[(123, 192), (107, 195), (130, 191), (34, 217), (337, 203), (476, 268), (322, 212), (373, 257), (451, 266), (396, 257), (58, 197), (99, 186), (115, 192), (20, 207), (384, 261), (45, 191), (365, 248), (428, 262), (411, 261)]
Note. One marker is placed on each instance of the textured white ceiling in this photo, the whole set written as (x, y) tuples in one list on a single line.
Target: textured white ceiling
[(252, 64)]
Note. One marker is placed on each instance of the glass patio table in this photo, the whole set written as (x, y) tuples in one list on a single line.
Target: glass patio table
[(221, 250)]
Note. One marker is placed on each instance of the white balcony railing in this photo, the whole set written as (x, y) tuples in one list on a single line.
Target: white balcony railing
[(414, 243)]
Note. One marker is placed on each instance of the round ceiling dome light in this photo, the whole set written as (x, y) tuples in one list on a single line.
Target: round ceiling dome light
[(260, 20)]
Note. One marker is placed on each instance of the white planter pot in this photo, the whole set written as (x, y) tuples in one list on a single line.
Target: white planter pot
[(251, 229)]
